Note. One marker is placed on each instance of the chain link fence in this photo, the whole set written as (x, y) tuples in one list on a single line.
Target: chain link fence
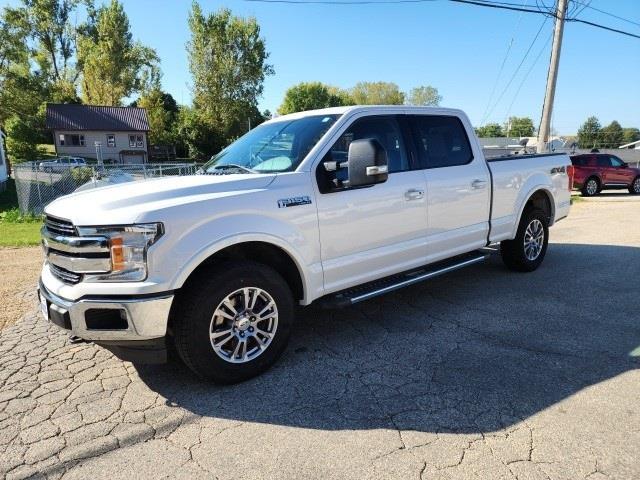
[(39, 183)]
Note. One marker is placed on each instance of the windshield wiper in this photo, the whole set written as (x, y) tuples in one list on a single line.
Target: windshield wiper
[(231, 166)]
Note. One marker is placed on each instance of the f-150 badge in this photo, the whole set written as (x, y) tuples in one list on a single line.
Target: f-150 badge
[(294, 201)]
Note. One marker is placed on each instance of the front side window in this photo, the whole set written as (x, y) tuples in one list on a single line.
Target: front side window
[(616, 162), (441, 141), (111, 140), (272, 147)]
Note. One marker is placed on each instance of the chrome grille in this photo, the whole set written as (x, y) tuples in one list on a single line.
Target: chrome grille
[(65, 275), (59, 226)]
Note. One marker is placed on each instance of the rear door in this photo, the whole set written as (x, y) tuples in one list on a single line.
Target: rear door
[(458, 186)]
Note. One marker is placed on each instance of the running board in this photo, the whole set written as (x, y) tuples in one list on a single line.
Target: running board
[(369, 290)]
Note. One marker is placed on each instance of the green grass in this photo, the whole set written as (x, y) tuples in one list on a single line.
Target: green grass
[(16, 230), (19, 234)]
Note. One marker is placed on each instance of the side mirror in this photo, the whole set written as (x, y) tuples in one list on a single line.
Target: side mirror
[(367, 161)]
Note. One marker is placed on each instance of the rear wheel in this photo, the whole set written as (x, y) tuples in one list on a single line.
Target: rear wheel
[(526, 252), (634, 188), (233, 321), (591, 187)]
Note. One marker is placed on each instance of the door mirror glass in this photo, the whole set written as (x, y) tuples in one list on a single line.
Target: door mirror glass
[(367, 160)]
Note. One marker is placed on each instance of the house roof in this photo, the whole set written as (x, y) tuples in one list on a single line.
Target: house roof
[(96, 117), (627, 145)]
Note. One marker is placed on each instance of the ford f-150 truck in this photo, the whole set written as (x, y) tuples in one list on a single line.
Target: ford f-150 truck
[(332, 206)]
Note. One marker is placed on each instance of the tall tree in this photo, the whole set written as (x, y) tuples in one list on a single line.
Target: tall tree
[(589, 133), (228, 63), (310, 96), (424, 96), (162, 111), (520, 127), (630, 135), (377, 93), (611, 136), (114, 66), (490, 130)]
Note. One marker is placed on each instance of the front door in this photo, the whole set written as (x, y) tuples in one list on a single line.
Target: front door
[(620, 174), (370, 232), (458, 186)]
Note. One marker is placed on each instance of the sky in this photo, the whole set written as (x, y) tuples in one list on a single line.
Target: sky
[(457, 48)]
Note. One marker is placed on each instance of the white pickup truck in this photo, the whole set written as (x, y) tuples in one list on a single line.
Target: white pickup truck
[(333, 206)]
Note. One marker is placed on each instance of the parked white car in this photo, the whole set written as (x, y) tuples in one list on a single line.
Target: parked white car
[(62, 164), (333, 206)]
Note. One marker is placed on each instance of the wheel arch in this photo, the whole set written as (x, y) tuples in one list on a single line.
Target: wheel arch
[(539, 197), (268, 251)]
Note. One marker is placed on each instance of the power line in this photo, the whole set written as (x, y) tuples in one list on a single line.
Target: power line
[(515, 73), (480, 3), (588, 5)]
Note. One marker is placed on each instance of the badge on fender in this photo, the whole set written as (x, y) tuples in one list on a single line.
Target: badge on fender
[(294, 201)]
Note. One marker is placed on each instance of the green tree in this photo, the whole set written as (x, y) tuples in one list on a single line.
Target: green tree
[(114, 66), (310, 96), (424, 96), (162, 111), (228, 63), (630, 135), (589, 133), (520, 127), (377, 93), (490, 130), (611, 136), (196, 138)]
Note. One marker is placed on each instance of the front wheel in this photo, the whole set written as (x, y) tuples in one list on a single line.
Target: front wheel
[(233, 321), (634, 188), (526, 252)]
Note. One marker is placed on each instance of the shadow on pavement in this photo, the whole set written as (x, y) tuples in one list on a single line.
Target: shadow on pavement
[(476, 351)]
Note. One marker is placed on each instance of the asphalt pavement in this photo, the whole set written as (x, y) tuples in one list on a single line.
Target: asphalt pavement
[(483, 373)]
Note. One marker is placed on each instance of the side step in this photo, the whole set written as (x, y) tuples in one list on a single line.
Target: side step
[(372, 289)]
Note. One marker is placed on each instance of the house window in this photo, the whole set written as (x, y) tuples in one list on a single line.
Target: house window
[(61, 139), (72, 140), (111, 140), (136, 141)]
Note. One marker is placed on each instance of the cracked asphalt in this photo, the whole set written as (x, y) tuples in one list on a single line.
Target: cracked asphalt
[(480, 374)]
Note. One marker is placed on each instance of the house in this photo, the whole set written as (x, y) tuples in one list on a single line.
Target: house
[(118, 134), (632, 146)]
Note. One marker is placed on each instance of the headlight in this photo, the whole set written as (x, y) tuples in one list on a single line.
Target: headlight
[(128, 246)]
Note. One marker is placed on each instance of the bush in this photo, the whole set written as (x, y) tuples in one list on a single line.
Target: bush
[(13, 215), (81, 175)]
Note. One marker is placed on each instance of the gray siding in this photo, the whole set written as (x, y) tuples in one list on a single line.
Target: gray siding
[(89, 149)]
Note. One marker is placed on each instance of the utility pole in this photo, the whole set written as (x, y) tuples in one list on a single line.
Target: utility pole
[(552, 76)]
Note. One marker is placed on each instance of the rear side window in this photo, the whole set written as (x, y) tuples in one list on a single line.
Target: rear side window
[(441, 141), (604, 162), (579, 161)]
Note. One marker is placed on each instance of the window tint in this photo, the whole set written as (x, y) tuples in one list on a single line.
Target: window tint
[(384, 129), (603, 161), (440, 141), (616, 162)]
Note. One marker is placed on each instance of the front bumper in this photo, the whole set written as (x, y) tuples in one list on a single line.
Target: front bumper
[(114, 322)]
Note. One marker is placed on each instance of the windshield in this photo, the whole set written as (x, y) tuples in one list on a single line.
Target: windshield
[(272, 147)]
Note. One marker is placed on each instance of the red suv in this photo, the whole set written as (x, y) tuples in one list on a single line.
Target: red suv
[(594, 172)]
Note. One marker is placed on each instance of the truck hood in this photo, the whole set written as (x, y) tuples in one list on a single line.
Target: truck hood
[(136, 202)]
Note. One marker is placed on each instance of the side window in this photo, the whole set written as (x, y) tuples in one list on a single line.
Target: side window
[(111, 140), (441, 141), (384, 129), (603, 161), (615, 161), (132, 141)]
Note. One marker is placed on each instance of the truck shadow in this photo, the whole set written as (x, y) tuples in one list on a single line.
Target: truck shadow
[(475, 351)]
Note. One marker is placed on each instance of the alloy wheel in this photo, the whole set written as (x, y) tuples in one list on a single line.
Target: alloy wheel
[(533, 239), (243, 325), (592, 187)]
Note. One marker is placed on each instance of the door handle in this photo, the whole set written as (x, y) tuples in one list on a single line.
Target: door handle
[(478, 184), (414, 194)]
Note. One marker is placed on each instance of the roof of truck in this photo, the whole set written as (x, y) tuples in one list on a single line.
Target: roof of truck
[(364, 108)]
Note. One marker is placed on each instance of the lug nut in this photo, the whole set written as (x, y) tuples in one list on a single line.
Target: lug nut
[(251, 329), (253, 319)]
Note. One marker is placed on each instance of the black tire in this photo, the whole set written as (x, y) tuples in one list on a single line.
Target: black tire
[(194, 308), (587, 190), (513, 251), (634, 188)]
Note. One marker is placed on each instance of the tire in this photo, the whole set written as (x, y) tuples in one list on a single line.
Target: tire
[(591, 187), (634, 188), (201, 309), (514, 253)]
